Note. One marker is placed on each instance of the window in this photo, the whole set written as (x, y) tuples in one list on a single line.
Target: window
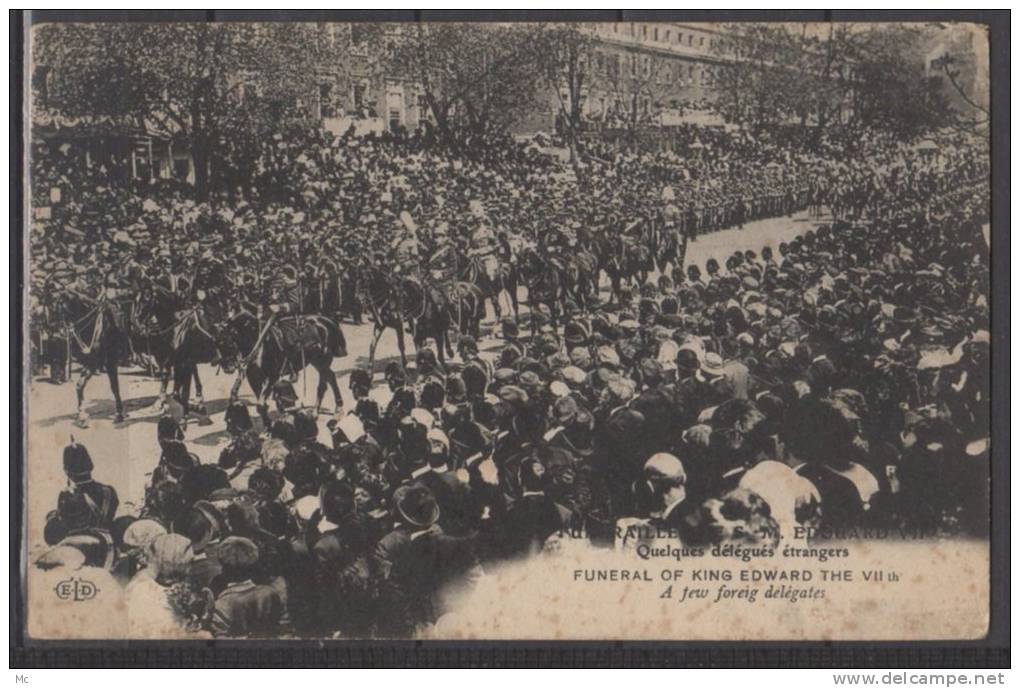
[(327, 106), (690, 39), (359, 34), (633, 65), (644, 31), (249, 92), (667, 35), (701, 41), (41, 84), (646, 66), (679, 38), (655, 33), (360, 91)]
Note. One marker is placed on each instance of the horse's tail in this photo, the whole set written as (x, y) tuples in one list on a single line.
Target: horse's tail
[(336, 343)]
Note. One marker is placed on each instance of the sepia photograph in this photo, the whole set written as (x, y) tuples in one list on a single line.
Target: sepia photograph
[(507, 331)]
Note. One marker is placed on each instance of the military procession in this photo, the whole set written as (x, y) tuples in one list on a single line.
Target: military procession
[(313, 380), (562, 369)]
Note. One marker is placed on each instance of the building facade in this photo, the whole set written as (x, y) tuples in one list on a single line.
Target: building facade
[(641, 74), (962, 50)]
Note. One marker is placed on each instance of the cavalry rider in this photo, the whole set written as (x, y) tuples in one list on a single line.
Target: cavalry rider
[(209, 290), (484, 243), (210, 284), (556, 243), (406, 248), (283, 294), (442, 264), (671, 224)]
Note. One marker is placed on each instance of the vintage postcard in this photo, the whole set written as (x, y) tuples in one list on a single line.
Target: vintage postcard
[(509, 331)]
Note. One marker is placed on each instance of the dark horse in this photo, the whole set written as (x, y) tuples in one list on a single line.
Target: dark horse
[(544, 282), (267, 352), (99, 341), (669, 248), (622, 258), (467, 307), (491, 286), (155, 322), (394, 300)]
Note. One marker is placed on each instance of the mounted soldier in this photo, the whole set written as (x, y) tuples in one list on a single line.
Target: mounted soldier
[(442, 264), (406, 249), (671, 226), (209, 287), (484, 243), (282, 296)]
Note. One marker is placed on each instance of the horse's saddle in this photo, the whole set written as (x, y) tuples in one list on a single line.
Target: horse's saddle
[(585, 261), (413, 297), (490, 266), (297, 331)]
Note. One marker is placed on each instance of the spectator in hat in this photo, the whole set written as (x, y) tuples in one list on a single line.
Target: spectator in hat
[(366, 408), (244, 448), (616, 451), (243, 609), (663, 491), (424, 565), (533, 517), (818, 441), (163, 589)]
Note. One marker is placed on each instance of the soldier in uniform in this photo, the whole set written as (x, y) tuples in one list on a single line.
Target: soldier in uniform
[(442, 264), (209, 286), (85, 503), (282, 297), (406, 250), (671, 225), (483, 247)]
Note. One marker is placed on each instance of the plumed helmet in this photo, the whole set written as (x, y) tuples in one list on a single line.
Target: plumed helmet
[(77, 462)]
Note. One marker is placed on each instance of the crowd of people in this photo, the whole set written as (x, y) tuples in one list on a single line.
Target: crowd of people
[(834, 382)]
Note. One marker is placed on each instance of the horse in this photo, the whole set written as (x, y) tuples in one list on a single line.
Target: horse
[(621, 259), (581, 276), (194, 342), (154, 321), (467, 308), (291, 343), (394, 300), (544, 281), (671, 250), (98, 338), (492, 286)]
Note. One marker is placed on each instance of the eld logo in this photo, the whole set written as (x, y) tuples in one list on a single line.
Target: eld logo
[(76, 589)]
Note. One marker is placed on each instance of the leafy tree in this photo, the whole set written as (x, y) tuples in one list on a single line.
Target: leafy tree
[(476, 79), (840, 76), (215, 88), (568, 58), (756, 84)]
